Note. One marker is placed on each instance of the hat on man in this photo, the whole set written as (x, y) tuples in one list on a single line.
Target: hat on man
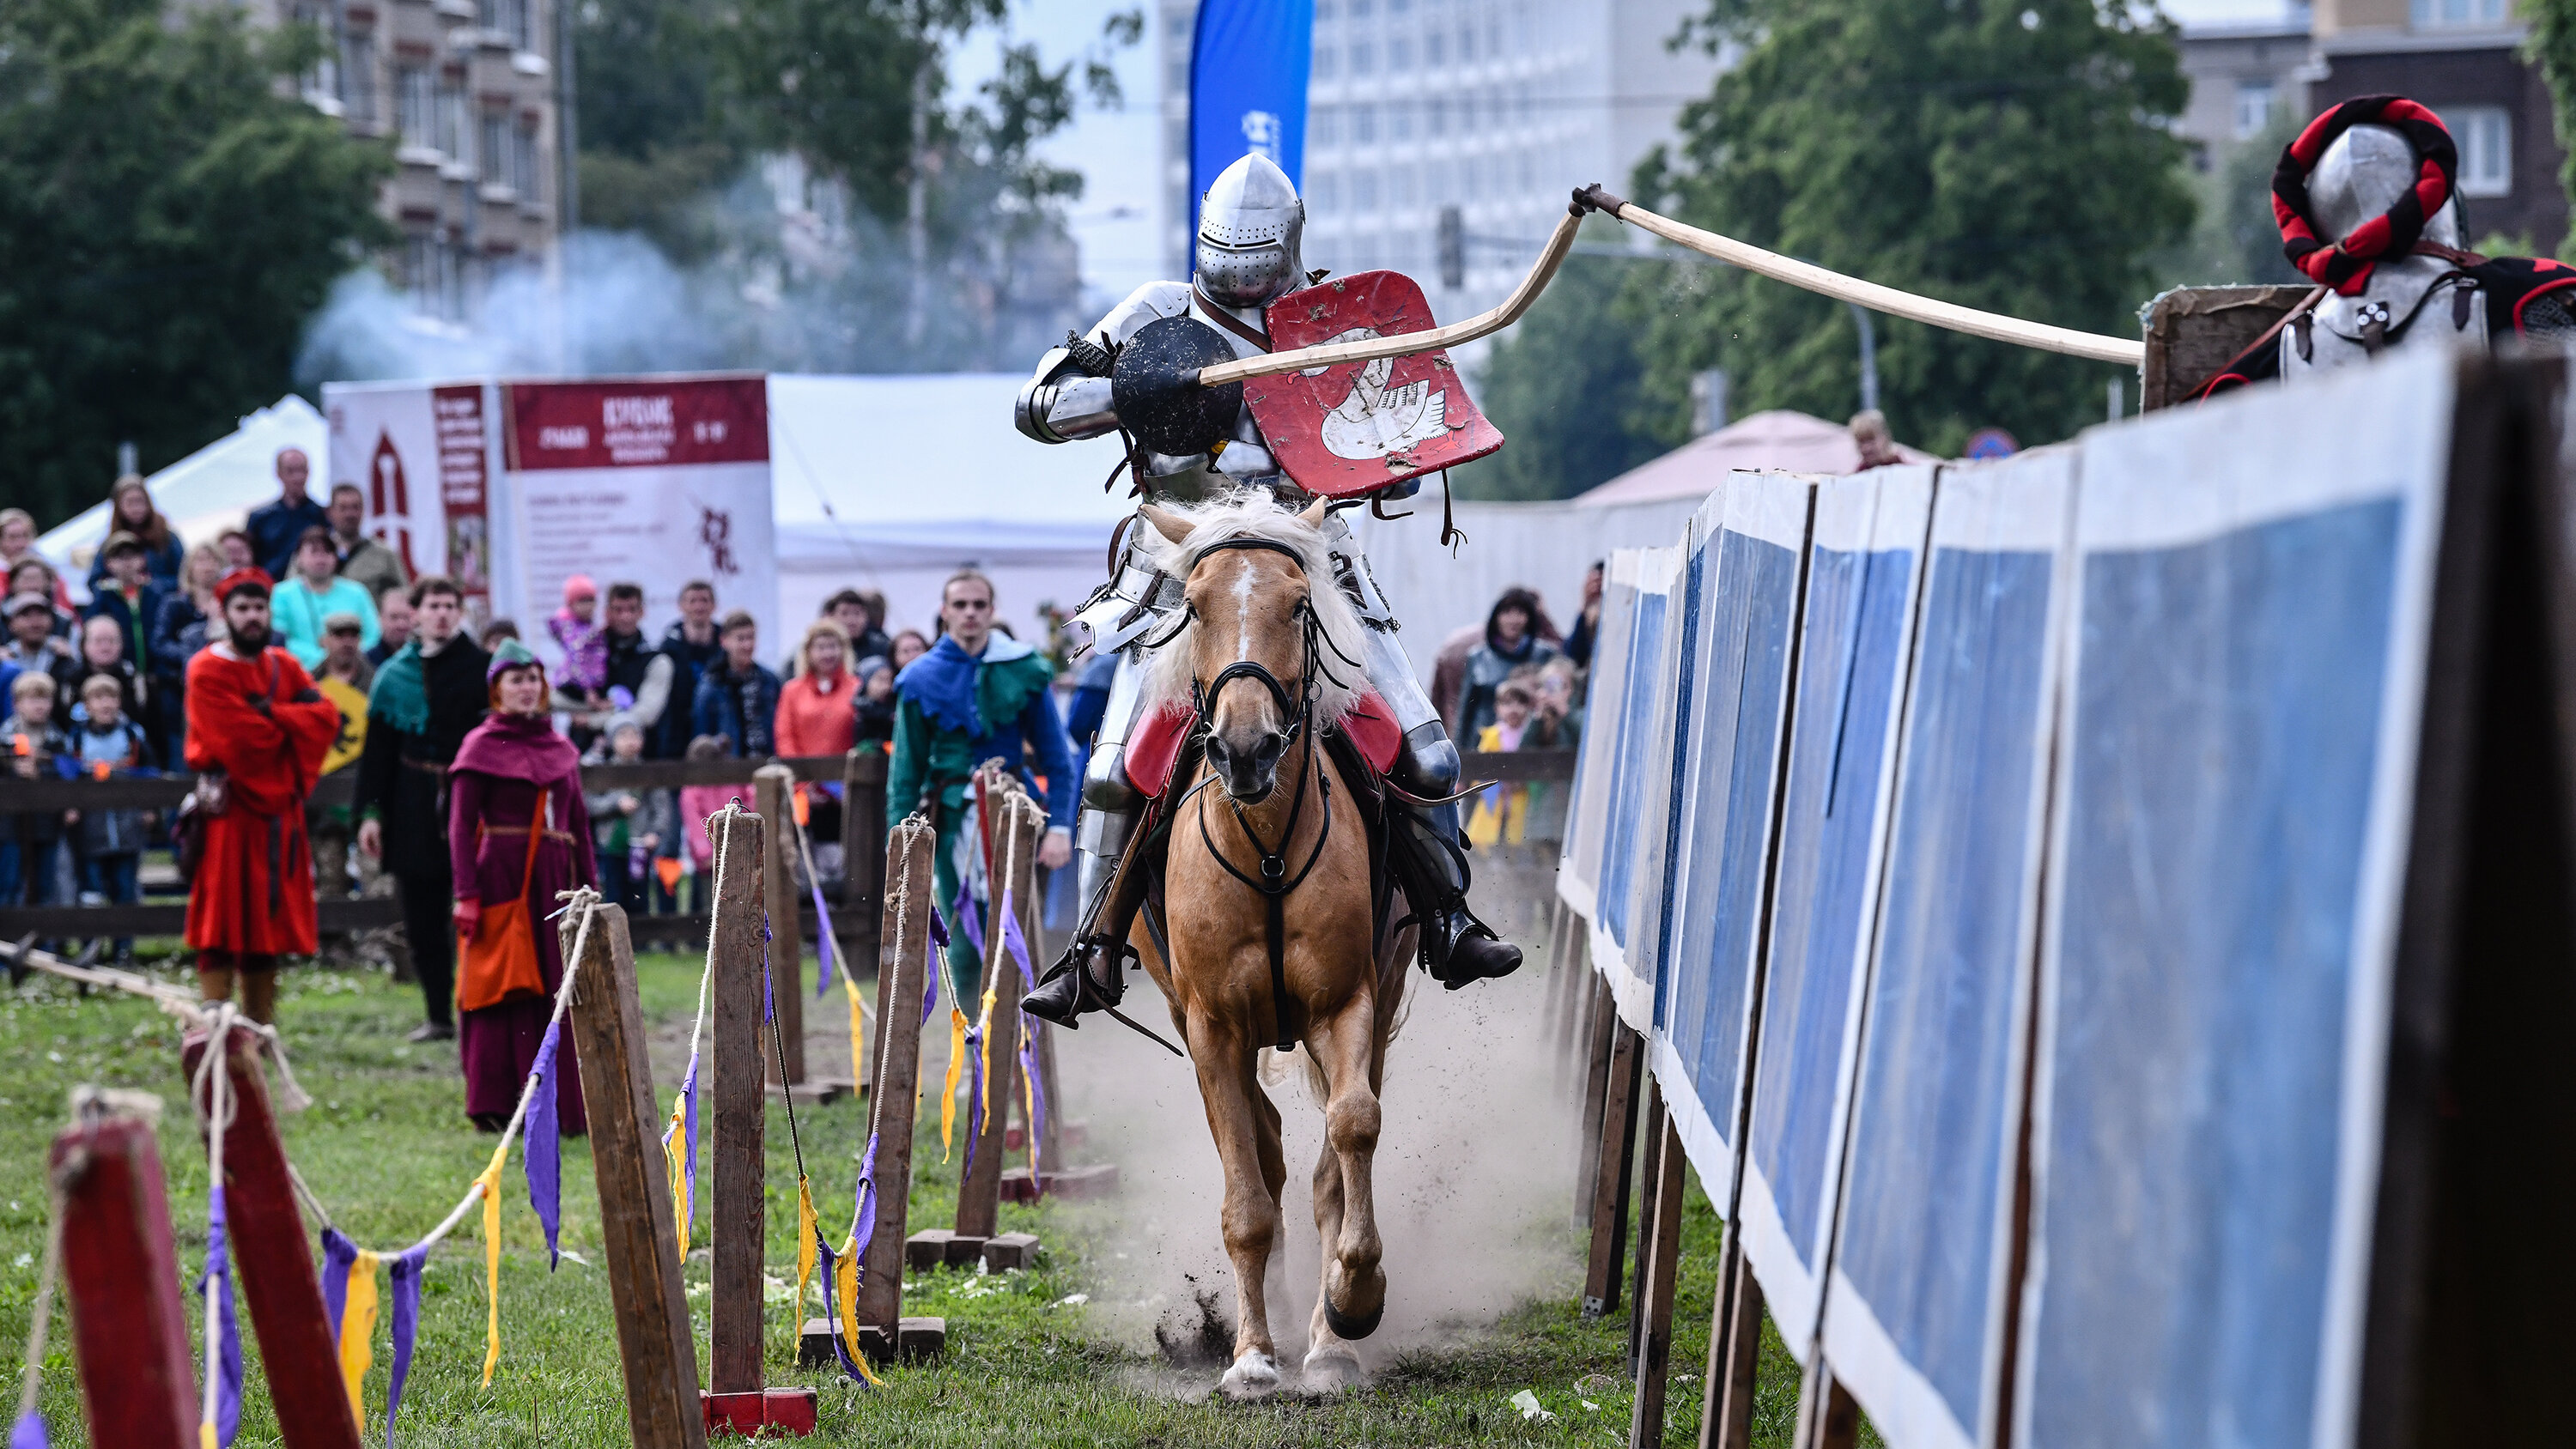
[(119, 542), (342, 621), (255, 580), (21, 603)]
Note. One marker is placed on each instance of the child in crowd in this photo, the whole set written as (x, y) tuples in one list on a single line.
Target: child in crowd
[(585, 644), (104, 745), (697, 802), (36, 744), (627, 826), (1501, 816), (875, 702)]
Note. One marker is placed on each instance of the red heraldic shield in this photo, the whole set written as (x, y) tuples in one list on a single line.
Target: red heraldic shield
[(1354, 428)]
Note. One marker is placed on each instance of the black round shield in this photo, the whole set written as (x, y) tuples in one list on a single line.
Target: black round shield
[(1156, 390)]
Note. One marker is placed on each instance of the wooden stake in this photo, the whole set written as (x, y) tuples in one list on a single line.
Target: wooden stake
[(274, 1260), (1650, 1182), (979, 1196), (1032, 902), (1828, 1417), (1616, 1165), (738, 1032), (902, 970), (1660, 1259), (1734, 1351), (659, 1359), (121, 1280), (1599, 1028), (773, 789), (863, 843)]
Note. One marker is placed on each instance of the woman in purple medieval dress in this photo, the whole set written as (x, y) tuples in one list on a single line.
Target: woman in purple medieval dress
[(505, 764)]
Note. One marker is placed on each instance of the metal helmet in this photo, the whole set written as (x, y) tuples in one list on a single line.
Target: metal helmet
[(1251, 223), (2361, 175)]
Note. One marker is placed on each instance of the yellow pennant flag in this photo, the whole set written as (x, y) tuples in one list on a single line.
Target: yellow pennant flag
[(675, 1164), (858, 1028), (987, 1067), (806, 1238), (357, 1330), (845, 1273), (948, 1099), (491, 1184)]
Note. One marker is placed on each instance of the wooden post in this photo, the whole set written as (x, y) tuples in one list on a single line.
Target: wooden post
[(903, 970), (773, 789), (121, 1278), (863, 846), (1032, 903), (656, 1352), (738, 1033), (1599, 1028), (979, 1195), (1651, 1183), (1616, 1165), (1661, 1258), (1828, 1417), (274, 1261), (1734, 1351)]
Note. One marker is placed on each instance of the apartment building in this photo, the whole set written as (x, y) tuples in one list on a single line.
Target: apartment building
[(1499, 108), (2463, 58), (467, 92)]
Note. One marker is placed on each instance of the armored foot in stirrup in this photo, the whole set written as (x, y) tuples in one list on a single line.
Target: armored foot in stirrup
[(1091, 976)]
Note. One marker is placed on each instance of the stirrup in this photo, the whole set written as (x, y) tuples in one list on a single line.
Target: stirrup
[(1068, 990), (1458, 949)]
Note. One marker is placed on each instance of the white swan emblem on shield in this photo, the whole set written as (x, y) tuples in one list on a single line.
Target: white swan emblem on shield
[(1374, 421)]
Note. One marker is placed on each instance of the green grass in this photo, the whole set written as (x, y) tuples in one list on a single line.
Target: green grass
[(387, 1148)]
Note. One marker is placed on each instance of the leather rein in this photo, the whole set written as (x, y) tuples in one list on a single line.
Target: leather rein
[(1275, 883)]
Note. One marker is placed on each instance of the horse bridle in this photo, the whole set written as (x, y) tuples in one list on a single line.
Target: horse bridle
[(1275, 884)]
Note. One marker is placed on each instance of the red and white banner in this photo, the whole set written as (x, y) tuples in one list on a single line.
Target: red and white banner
[(1354, 428), (652, 481), (422, 457)]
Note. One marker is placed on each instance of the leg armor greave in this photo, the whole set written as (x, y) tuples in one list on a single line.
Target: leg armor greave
[(1091, 974)]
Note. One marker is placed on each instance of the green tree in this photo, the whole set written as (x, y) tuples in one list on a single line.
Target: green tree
[(1562, 386), (2004, 154), (657, 135), (169, 217), (2552, 47)]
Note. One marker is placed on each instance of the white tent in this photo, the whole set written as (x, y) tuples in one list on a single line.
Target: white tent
[(210, 490), (892, 483)]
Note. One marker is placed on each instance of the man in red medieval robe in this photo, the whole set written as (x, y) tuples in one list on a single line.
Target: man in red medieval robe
[(255, 719)]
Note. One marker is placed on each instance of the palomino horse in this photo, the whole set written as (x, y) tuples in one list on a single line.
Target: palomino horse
[(1271, 935)]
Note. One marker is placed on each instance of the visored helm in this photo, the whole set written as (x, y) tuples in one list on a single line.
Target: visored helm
[(1250, 227), (2361, 175)]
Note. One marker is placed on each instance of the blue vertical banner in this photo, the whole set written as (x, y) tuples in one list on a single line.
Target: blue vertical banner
[(1248, 65)]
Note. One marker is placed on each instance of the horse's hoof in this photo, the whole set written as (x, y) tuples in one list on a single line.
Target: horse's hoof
[(1253, 1376), (1332, 1366), (1353, 1328)]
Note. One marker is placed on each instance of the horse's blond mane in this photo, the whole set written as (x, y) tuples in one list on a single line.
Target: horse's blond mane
[(1253, 514)]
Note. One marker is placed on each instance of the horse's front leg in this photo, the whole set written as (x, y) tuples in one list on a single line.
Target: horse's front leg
[(1354, 1296), (1235, 1112)]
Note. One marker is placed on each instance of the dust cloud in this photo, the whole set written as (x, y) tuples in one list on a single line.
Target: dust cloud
[(1474, 1172)]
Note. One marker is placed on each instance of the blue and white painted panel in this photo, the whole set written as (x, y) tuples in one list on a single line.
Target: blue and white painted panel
[(1745, 651), (1578, 872), (1918, 1295), (2253, 594), (1855, 646), (1632, 849)]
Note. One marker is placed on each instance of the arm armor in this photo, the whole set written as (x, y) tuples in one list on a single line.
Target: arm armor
[(1061, 402)]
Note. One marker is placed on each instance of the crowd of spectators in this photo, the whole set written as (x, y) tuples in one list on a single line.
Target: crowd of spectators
[(1517, 683)]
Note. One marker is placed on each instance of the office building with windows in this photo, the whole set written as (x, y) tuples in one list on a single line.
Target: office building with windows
[(2463, 58), (467, 92), (1499, 108)]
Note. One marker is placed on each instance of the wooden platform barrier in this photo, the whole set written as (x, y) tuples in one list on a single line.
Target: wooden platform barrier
[(273, 1259), (121, 1277), (656, 1352)]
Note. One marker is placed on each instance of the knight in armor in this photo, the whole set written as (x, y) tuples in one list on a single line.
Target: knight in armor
[(1250, 225), (2366, 199)]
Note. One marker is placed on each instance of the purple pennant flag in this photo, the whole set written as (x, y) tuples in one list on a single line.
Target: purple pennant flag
[(29, 1433), (339, 1255), (863, 1221), (219, 1271), (768, 1003), (1037, 1100), (544, 1147), (963, 908), (1013, 943), (938, 929), (822, 941), (930, 988), (406, 1275), (689, 1129)]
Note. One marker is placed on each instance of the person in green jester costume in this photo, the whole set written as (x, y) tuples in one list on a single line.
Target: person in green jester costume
[(977, 695)]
